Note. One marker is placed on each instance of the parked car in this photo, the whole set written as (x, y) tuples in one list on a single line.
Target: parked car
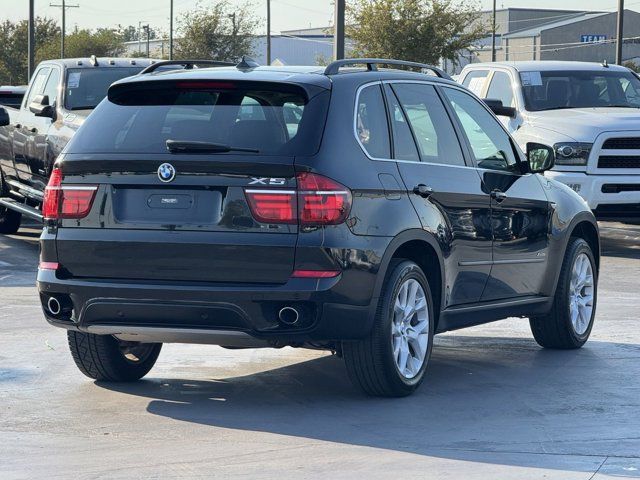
[(589, 113), (358, 211), (12, 96), (62, 93)]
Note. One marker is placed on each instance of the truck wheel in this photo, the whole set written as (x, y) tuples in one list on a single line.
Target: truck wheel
[(569, 323), (391, 361), (104, 357), (9, 219)]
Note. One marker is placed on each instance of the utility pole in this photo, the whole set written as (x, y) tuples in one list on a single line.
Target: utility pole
[(31, 48), (620, 40), (268, 32), (338, 40), (493, 34), (64, 7), (148, 32), (170, 29)]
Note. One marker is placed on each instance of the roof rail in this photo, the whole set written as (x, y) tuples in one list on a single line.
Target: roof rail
[(372, 65), (188, 64)]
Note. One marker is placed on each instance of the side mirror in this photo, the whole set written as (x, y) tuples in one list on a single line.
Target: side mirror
[(541, 157), (4, 117), (499, 109), (40, 106)]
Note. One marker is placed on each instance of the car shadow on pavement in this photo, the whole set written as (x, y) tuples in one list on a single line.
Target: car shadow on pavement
[(487, 399)]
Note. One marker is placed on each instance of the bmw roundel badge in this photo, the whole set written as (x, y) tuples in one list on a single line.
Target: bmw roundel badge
[(166, 172)]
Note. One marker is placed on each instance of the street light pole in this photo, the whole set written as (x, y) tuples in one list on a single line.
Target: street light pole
[(620, 32), (268, 32), (170, 29), (338, 41), (32, 41), (148, 31), (493, 34)]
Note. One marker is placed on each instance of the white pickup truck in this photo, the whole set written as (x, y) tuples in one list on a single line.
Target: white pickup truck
[(588, 112)]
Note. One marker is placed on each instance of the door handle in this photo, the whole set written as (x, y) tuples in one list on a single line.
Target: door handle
[(498, 196), (423, 190)]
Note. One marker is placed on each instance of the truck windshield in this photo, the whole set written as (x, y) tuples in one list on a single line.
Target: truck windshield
[(197, 117), (553, 90), (86, 87)]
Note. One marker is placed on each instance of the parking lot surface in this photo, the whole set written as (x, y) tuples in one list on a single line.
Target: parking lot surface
[(493, 406)]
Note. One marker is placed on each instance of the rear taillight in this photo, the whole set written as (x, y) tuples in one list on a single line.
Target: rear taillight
[(66, 201), (273, 206), (322, 201), (317, 201)]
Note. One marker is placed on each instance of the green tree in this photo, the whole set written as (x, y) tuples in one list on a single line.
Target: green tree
[(102, 42), (14, 44), (631, 66), (220, 32), (416, 30)]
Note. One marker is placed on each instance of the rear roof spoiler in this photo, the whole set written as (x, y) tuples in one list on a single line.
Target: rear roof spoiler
[(187, 64), (372, 65)]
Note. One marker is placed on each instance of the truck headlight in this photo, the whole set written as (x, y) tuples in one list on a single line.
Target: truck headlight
[(572, 153)]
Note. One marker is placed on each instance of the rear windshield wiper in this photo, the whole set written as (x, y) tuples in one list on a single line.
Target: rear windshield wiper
[(180, 146)]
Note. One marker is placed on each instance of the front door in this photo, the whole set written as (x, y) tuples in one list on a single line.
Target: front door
[(445, 191), (520, 211)]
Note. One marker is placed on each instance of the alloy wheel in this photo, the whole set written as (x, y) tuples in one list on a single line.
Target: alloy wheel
[(410, 328), (581, 294)]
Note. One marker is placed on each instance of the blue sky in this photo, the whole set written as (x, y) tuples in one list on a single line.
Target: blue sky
[(286, 14)]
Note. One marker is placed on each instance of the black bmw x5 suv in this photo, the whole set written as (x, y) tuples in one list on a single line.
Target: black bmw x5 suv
[(358, 210)]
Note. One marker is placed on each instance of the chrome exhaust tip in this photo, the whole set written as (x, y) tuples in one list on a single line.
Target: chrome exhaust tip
[(288, 315), (53, 304)]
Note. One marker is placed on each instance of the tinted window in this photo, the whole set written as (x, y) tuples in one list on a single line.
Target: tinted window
[(87, 87), (434, 133), (371, 123), (404, 146), (141, 117), (37, 85), (489, 142), (579, 89), (11, 99), (500, 89), (475, 80), (51, 88)]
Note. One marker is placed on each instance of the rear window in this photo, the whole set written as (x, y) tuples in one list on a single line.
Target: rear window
[(271, 118), (11, 99), (86, 87)]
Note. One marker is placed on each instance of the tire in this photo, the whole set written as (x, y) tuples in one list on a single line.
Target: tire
[(556, 329), (372, 363), (9, 219), (102, 357)]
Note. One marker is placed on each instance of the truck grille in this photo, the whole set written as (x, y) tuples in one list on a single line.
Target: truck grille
[(622, 143), (619, 161)]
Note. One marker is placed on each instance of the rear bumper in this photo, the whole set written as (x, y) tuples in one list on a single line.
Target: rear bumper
[(600, 190), (198, 313)]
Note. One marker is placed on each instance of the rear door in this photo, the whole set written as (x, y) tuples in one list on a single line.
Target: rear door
[(520, 211), (452, 189), (226, 214)]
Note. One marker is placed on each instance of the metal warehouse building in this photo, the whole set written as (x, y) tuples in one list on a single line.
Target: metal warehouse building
[(544, 34)]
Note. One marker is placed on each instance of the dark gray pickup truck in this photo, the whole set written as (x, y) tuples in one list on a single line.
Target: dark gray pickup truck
[(59, 97)]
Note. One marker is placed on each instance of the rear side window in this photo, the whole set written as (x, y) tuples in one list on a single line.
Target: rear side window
[(404, 147), (501, 89), (11, 99), (372, 129), (430, 124), (475, 81), (272, 118)]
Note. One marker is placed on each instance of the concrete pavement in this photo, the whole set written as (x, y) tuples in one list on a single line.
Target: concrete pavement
[(494, 405)]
